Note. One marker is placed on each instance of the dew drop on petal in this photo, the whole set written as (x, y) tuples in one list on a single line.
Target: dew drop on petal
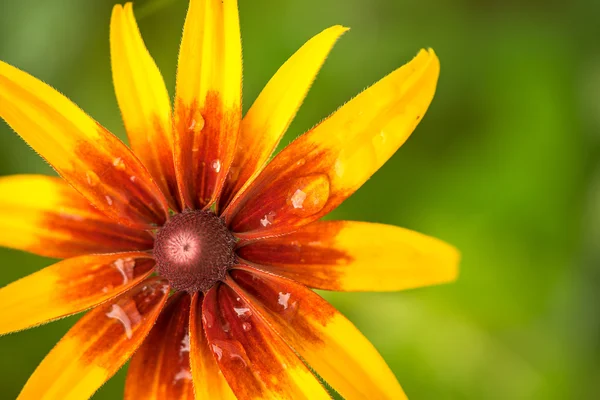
[(132, 178), (268, 219), (208, 319), (231, 349), (308, 194), (226, 327), (283, 299), (298, 198), (379, 140), (183, 374), (246, 326), (109, 200), (185, 344), (242, 311), (216, 166), (116, 312), (119, 164), (92, 178), (218, 351), (125, 267)]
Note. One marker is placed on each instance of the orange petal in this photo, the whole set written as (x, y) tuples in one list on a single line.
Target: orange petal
[(144, 101), (209, 382), (319, 170), (327, 341), (355, 256), (255, 361), (160, 368), (46, 216), (90, 158), (68, 287), (275, 108), (208, 99), (98, 345)]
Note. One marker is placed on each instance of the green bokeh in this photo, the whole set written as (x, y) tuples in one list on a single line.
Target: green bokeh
[(504, 166)]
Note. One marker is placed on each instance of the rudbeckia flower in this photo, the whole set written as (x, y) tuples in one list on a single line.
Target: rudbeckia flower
[(196, 254)]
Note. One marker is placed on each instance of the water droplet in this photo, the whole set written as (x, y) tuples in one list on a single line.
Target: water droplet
[(283, 299), (119, 164), (132, 178), (208, 319), (308, 195), (196, 125), (268, 218), (231, 349), (226, 327), (216, 166), (379, 140), (218, 351), (246, 326), (116, 312), (185, 344), (242, 311), (92, 178), (298, 198), (125, 267), (109, 200), (183, 373)]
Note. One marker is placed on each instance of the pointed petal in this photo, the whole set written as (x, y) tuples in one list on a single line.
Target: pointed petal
[(209, 382), (46, 216), (275, 108), (355, 256), (255, 361), (98, 345), (90, 158), (69, 287), (319, 170), (322, 336), (208, 99), (143, 100), (160, 368)]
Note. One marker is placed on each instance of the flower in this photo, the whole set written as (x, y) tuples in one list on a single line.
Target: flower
[(195, 254)]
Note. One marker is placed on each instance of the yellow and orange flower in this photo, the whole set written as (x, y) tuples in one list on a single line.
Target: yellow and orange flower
[(195, 253)]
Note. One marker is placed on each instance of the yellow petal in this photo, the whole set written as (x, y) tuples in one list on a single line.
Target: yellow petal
[(204, 366), (46, 216), (160, 368), (97, 345), (143, 99), (356, 256), (69, 287), (275, 108), (327, 341), (90, 158), (208, 99), (319, 170), (255, 361)]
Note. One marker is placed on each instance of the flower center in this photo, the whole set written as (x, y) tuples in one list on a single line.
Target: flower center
[(194, 250)]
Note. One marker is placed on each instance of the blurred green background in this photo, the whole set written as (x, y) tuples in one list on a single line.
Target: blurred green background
[(505, 166)]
